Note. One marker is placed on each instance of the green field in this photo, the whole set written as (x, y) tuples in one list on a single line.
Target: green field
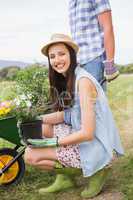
[(120, 94)]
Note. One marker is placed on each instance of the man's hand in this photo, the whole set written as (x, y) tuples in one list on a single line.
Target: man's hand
[(110, 70), (46, 142)]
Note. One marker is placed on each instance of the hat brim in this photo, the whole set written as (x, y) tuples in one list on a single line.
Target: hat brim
[(73, 45)]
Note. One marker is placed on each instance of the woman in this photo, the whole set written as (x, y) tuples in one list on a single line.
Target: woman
[(81, 133)]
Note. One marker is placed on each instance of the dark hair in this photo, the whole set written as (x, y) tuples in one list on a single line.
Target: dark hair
[(62, 88)]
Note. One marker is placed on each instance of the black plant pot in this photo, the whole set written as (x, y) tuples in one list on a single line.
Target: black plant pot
[(31, 130)]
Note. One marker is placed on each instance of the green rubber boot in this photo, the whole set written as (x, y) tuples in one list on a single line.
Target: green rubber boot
[(63, 180), (69, 171), (96, 183), (61, 183)]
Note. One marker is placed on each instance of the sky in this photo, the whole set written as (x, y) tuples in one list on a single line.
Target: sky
[(26, 25)]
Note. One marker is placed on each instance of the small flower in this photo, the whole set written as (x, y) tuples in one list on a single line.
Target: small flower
[(5, 108), (28, 104), (17, 102), (23, 97), (30, 96)]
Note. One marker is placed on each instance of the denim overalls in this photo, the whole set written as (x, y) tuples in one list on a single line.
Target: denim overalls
[(97, 153)]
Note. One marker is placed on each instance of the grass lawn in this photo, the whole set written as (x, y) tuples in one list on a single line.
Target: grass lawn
[(120, 93)]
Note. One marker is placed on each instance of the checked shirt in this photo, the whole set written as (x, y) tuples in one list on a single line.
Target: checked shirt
[(85, 28)]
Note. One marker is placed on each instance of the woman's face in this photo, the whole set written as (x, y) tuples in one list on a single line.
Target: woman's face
[(59, 58)]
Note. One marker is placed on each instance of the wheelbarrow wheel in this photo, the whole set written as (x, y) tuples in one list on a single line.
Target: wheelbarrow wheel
[(16, 172)]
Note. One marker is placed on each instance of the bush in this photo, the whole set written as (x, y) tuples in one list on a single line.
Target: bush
[(9, 73), (12, 73), (126, 69), (7, 90), (33, 80), (31, 95)]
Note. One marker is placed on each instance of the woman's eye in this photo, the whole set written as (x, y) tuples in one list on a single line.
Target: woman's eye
[(51, 56), (62, 54)]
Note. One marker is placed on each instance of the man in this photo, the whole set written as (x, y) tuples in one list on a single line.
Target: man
[(92, 29)]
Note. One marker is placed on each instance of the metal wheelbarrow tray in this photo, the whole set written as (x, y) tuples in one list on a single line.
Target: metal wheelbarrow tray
[(12, 166)]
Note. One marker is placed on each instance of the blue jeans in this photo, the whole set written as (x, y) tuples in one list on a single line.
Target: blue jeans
[(96, 69)]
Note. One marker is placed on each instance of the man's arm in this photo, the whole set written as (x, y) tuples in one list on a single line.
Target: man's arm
[(105, 21)]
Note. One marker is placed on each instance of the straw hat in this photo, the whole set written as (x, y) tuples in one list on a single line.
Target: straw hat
[(56, 38)]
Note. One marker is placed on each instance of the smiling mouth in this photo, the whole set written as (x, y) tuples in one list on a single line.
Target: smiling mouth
[(60, 67)]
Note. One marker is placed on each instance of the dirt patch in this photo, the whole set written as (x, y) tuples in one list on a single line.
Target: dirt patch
[(105, 195), (109, 196)]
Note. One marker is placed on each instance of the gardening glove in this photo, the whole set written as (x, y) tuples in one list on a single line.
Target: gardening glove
[(46, 142), (110, 70)]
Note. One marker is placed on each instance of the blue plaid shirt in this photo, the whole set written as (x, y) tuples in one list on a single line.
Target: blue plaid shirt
[(85, 28)]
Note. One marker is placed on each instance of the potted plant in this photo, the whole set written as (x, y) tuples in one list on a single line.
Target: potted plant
[(32, 97), (27, 113)]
